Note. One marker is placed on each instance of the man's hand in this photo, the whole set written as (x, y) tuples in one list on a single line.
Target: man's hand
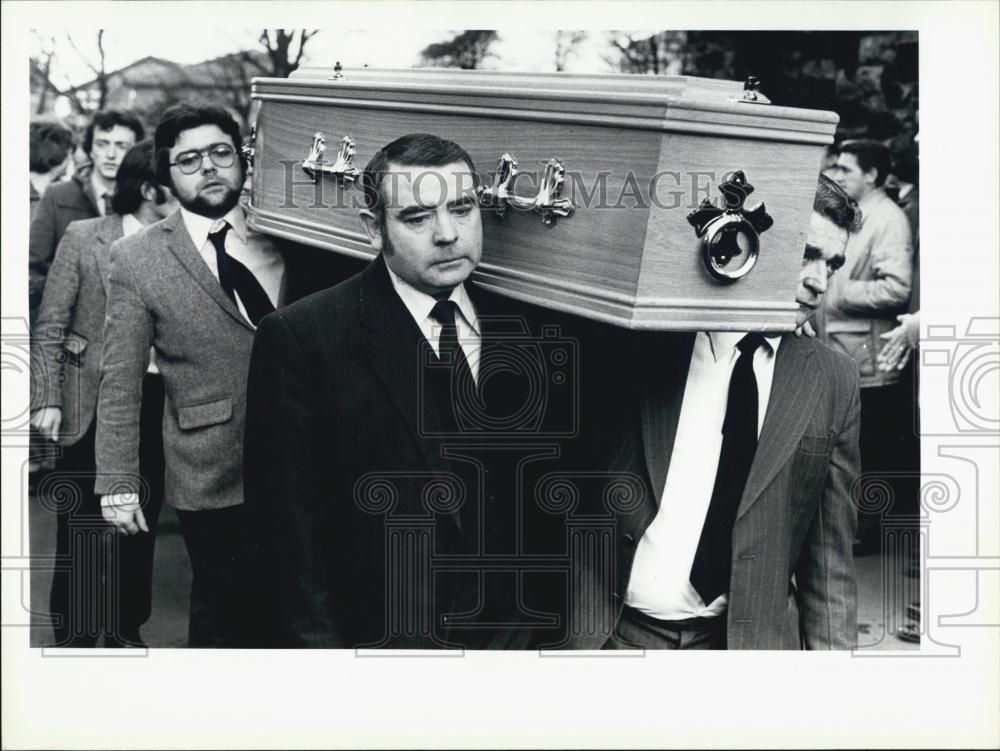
[(123, 511), (47, 421), (807, 329), (899, 342)]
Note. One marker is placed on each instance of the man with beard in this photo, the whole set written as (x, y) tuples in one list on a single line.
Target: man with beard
[(193, 287)]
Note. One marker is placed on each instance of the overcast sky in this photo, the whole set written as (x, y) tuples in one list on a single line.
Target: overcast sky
[(515, 50)]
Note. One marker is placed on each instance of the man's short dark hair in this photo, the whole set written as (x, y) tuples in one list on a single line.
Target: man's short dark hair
[(137, 169), (106, 120), (870, 155), (183, 117), (414, 149), (49, 143), (835, 204)]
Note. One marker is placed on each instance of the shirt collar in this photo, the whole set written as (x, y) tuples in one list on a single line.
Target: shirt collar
[(130, 225), (722, 342), (99, 187), (199, 226), (420, 303)]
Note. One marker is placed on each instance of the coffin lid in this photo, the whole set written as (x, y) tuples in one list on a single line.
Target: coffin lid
[(662, 103)]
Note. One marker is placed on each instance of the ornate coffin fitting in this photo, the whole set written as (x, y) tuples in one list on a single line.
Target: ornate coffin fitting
[(586, 182)]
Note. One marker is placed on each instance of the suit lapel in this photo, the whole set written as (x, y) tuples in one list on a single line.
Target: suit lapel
[(109, 231), (394, 345), (179, 241), (87, 189), (794, 389), (664, 376)]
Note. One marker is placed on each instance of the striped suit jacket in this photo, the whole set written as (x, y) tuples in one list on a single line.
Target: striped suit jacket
[(793, 581)]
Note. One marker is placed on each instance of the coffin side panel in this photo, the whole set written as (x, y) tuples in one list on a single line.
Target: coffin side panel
[(596, 251)]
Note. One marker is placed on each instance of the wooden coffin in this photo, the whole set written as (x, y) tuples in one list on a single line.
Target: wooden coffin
[(640, 155)]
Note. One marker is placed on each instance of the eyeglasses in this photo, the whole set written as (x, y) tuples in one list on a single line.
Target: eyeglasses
[(221, 154)]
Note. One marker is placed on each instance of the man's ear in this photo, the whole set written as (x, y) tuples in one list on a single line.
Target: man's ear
[(148, 192), (372, 228)]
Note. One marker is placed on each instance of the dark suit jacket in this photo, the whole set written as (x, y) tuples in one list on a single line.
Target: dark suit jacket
[(62, 203), (796, 517), (353, 485), (162, 294), (69, 331)]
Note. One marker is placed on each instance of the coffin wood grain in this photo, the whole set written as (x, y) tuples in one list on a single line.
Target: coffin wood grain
[(622, 260)]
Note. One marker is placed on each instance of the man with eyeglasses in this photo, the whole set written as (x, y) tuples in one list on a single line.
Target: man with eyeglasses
[(193, 287)]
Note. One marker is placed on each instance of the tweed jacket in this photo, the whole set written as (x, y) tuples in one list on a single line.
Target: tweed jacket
[(161, 293), (69, 331), (796, 519), (60, 204)]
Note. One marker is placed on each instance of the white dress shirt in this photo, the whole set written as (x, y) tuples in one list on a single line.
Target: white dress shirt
[(659, 585), (420, 305), (254, 251), (130, 225)]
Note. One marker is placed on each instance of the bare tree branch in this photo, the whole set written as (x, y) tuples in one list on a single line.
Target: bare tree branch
[(102, 79), (84, 58), (304, 36)]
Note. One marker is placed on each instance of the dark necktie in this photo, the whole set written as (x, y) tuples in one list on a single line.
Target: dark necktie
[(712, 565), (106, 200), (456, 385), (234, 276)]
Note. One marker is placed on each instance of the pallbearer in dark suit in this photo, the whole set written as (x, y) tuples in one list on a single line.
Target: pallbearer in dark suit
[(746, 448), (367, 404), (193, 287), (111, 600)]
